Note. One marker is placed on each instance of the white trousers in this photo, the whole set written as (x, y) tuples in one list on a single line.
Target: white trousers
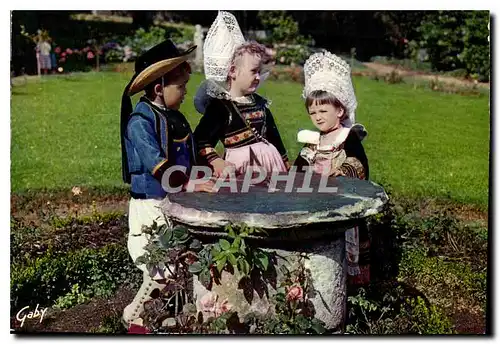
[(141, 212)]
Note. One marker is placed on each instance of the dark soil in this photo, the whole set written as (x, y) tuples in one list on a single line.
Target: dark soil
[(83, 318)]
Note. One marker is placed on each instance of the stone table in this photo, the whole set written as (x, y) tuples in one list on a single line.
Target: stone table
[(311, 223)]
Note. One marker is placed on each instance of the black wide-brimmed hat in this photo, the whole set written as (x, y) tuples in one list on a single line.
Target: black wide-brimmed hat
[(153, 64)]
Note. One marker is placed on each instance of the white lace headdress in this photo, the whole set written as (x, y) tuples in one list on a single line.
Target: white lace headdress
[(327, 72), (222, 39)]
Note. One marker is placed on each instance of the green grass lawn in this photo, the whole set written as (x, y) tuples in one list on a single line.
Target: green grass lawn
[(65, 132)]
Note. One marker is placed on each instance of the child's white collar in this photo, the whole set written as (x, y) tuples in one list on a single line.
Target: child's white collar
[(211, 88), (313, 137)]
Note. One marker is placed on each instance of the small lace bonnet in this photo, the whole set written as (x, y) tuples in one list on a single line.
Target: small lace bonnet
[(327, 72)]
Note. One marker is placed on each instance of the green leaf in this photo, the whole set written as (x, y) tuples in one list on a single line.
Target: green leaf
[(280, 297), (221, 263), (243, 246), (215, 249), (262, 259), (220, 256), (318, 326), (302, 322), (195, 268), (236, 243), (245, 267), (166, 238), (240, 265), (141, 260), (180, 233), (232, 250), (204, 277), (232, 259), (183, 240), (196, 244), (231, 232), (224, 244)]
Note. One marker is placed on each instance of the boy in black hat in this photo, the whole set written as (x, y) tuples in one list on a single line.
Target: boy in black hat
[(154, 137)]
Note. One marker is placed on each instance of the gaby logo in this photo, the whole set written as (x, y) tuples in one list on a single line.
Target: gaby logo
[(24, 313)]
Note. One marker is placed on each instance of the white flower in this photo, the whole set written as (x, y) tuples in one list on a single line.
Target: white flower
[(76, 190)]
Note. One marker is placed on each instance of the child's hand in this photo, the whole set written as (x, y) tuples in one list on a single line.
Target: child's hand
[(219, 165), (287, 165), (337, 173), (208, 186)]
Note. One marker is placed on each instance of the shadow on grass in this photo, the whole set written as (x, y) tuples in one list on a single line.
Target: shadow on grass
[(19, 93)]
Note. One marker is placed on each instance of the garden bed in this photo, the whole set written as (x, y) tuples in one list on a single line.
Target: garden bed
[(427, 256)]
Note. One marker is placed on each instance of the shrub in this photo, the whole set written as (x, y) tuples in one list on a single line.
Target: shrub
[(284, 29), (144, 40), (51, 276), (292, 54), (394, 312), (457, 39), (291, 46), (476, 53), (393, 77)]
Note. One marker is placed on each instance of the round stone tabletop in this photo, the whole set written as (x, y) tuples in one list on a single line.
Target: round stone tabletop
[(346, 199)]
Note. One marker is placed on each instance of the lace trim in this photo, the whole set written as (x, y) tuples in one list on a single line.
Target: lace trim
[(213, 89), (222, 39), (328, 72)]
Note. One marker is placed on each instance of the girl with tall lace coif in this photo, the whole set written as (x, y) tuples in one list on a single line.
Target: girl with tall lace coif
[(233, 113)]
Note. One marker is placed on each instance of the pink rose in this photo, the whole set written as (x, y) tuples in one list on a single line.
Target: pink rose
[(57, 50), (295, 293), (62, 59), (90, 55), (223, 307), (208, 301), (69, 51), (209, 304), (63, 54)]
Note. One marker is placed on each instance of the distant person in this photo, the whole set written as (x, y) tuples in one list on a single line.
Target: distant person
[(44, 49), (53, 60)]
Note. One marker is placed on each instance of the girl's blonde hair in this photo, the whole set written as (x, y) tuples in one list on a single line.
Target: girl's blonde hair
[(252, 48)]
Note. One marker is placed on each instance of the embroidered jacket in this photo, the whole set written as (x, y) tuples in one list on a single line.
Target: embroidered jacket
[(222, 122), (156, 139), (349, 157)]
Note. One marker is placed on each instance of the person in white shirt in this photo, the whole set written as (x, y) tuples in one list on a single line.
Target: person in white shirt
[(44, 49)]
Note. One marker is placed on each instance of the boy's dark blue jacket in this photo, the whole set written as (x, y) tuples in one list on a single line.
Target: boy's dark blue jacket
[(154, 140)]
